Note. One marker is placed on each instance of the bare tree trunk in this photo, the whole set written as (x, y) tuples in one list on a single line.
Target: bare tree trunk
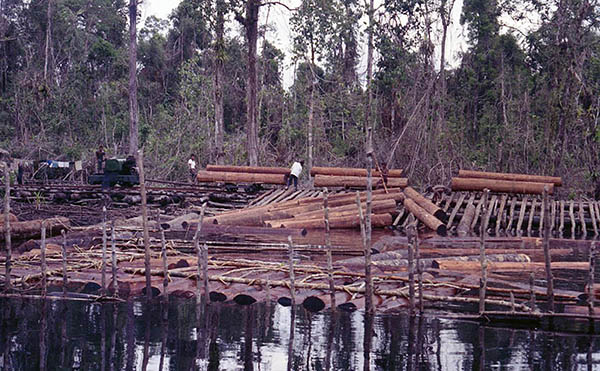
[(133, 106), (48, 37), (219, 68), (311, 119), (369, 68), (251, 25)]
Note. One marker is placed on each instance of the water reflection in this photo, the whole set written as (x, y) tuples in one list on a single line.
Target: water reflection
[(183, 336)]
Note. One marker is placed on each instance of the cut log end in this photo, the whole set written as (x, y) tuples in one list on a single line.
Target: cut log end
[(442, 231)]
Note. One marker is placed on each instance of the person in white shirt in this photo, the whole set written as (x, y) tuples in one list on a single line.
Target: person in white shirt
[(295, 174), (192, 167)]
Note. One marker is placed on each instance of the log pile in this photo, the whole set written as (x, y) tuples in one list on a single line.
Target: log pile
[(469, 180)]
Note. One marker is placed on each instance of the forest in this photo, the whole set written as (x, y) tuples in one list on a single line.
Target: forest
[(523, 96)]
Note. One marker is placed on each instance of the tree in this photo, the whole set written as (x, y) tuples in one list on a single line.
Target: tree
[(133, 104)]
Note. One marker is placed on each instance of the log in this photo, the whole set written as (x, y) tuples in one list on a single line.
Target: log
[(496, 258), (11, 217), (208, 229), (231, 177), (510, 266), (379, 207), (557, 181), (495, 185), (429, 220), (351, 171), (426, 204), (464, 226), (248, 169), (177, 223), (353, 181), (343, 222), (32, 228)]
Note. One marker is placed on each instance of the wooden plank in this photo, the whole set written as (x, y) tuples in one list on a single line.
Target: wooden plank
[(531, 213), (553, 216), (500, 215), (477, 213), (522, 216), (582, 219), (490, 209), (261, 197), (399, 217), (572, 217), (449, 201), (513, 204), (459, 203), (268, 200), (561, 228)]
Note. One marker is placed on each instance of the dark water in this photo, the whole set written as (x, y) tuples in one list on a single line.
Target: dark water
[(55, 335)]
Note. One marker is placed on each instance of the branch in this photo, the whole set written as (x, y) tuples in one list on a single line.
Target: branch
[(279, 3)]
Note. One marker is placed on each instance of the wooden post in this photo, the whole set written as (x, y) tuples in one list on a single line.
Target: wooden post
[(369, 282), (199, 253), (7, 240), (43, 261), (64, 261), (532, 291), (419, 270), (549, 277), (292, 274), (483, 229), (591, 291), (115, 286), (104, 239), (411, 264), (140, 164), (205, 271), (329, 250), (165, 265)]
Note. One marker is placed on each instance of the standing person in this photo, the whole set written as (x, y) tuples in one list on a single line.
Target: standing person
[(192, 167), (295, 174), (100, 157)]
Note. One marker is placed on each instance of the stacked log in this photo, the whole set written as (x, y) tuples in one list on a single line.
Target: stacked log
[(505, 186), (248, 169), (32, 228), (429, 220), (469, 180), (237, 177), (557, 181), (350, 171), (426, 204), (354, 181)]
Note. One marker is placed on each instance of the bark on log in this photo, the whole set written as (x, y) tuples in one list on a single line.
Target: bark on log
[(248, 169), (349, 171), (496, 258), (378, 207), (231, 177), (344, 222), (208, 229), (426, 204), (11, 217), (353, 181), (429, 220), (495, 185), (510, 266), (32, 228), (177, 223), (557, 181)]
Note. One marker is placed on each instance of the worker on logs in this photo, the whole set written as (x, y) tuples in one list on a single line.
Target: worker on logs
[(192, 167), (295, 174)]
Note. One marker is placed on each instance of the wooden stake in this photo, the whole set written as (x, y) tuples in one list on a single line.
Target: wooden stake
[(292, 275), (115, 286), (140, 164), (483, 229), (369, 282), (199, 253), (205, 271), (329, 250), (591, 291), (43, 261), (7, 236), (104, 238), (64, 261), (165, 264), (549, 277), (411, 264), (532, 291)]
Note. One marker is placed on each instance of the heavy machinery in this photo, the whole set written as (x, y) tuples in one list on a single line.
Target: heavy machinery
[(117, 171)]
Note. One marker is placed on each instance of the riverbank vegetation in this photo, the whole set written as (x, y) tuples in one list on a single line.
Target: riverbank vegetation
[(524, 96)]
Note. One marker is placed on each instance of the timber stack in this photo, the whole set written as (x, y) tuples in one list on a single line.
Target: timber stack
[(469, 180)]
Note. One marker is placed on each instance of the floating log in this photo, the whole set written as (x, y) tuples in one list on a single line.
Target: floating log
[(352, 171), (343, 222), (353, 181), (429, 220), (209, 228), (231, 177), (32, 228), (557, 181), (510, 266), (248, 169), (514, 258), (426, 204), (495, 185)]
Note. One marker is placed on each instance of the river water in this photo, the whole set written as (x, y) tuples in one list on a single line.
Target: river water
[(76, 335)]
